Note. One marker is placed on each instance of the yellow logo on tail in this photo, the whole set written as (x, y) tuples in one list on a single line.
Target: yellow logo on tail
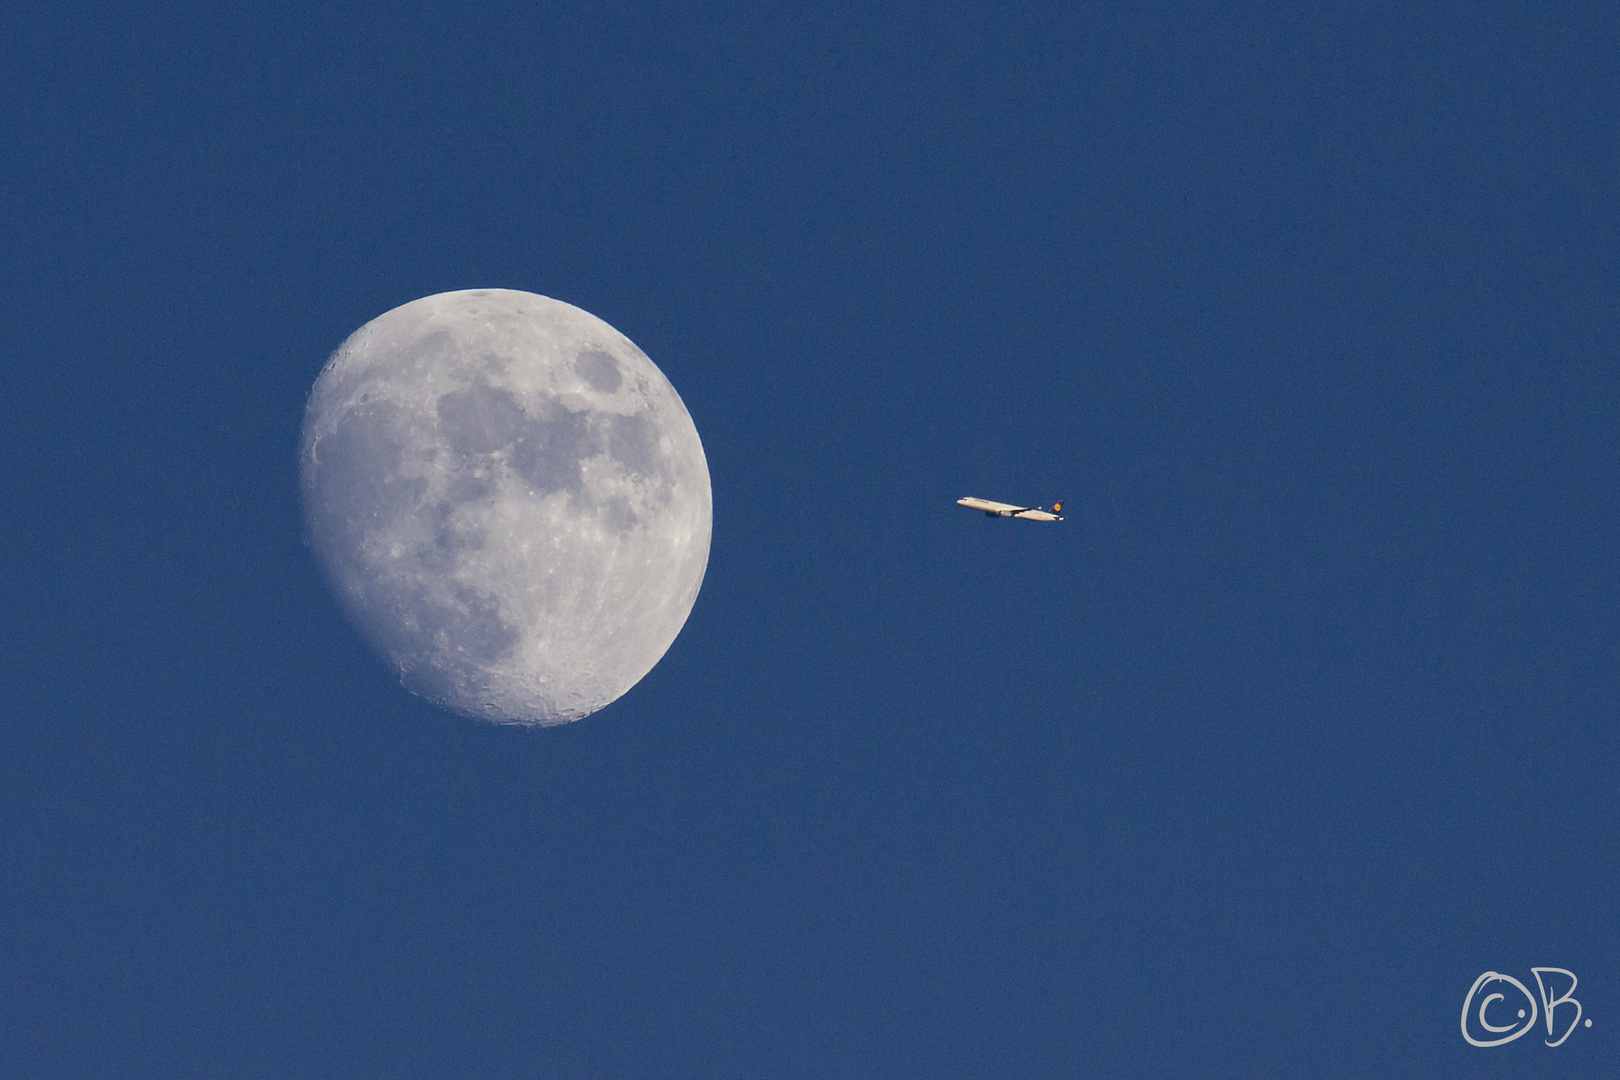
[(1057, 508)]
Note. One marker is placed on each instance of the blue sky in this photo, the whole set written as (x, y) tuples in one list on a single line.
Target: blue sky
[(1301, 721)]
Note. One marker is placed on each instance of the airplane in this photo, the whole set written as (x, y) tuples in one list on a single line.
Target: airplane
[(1004, 510)]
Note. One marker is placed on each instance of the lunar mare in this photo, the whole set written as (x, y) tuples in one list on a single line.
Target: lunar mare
[(510, 501)]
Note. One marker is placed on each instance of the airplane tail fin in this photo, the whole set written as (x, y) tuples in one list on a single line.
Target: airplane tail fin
[(1057, 508)]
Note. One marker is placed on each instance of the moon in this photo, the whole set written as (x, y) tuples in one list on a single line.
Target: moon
[(510, 501)]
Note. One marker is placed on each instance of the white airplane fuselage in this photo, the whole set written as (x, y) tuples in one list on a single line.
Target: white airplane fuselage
[(1008, 510)]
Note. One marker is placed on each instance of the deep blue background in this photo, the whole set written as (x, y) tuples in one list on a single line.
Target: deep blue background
[(1304, 717)]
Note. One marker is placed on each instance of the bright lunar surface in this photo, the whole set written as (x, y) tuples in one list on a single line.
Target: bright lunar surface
[(510, 501)]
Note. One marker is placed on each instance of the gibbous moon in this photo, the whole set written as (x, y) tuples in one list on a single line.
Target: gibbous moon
[(510, 501)]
